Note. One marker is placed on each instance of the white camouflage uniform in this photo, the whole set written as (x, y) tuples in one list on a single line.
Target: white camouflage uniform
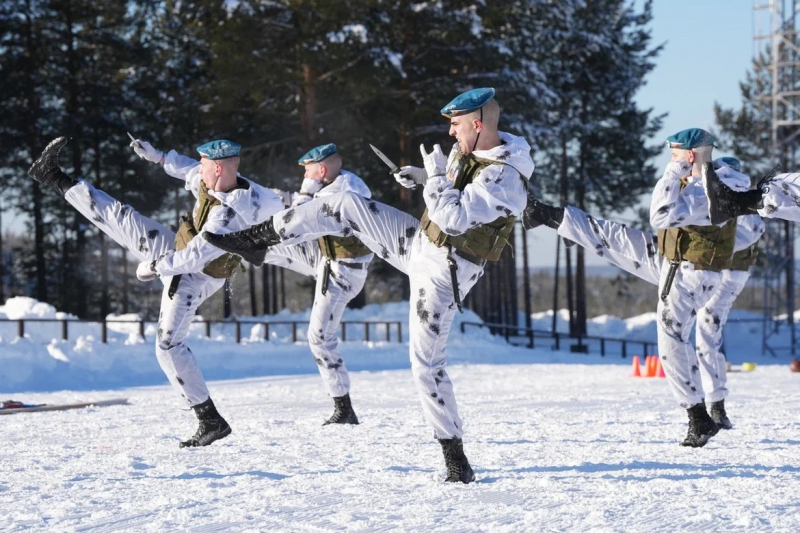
[(498, 190), (148, 240), (636, 251), (345, 283)]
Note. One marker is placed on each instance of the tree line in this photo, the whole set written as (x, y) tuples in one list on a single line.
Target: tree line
[(282, 76)]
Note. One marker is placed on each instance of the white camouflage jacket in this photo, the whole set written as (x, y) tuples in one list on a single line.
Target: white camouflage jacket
[(497, 191), (673, 207), (240, 209), (345, 181)]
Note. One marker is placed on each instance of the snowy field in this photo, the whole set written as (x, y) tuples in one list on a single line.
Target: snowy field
[(559, 441), (555, 448)]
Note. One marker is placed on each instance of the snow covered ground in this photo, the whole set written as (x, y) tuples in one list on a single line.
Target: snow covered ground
[(559, 441), (555, 447)]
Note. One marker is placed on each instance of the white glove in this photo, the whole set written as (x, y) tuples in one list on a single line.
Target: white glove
[(311, 187), (146, 271), (146, 151), (410, 177), (679, 169), (435, 162)]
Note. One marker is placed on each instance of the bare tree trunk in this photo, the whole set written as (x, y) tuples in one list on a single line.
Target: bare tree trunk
[(125, 285), (526, 290), (226, 299), (556, 277), (308, 104), (283, 288), (265, 290), (568, 262), (251, 278), (34, 147)]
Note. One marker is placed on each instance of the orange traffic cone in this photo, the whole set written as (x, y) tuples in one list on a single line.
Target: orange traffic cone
[(637, 371), (651, 366), (660, 373)]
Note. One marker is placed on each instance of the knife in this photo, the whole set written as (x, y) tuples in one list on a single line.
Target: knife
[(133, 139), (394, 168)]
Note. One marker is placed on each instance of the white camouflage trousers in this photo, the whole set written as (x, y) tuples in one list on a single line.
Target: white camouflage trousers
[(395, 237), (147, 240), (326, 314), (707, 294), (711, 320)]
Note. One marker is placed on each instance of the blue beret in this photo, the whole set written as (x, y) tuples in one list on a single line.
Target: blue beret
[(691, 138), (220, 149), (315, 155), (468, 102), (732, 162)]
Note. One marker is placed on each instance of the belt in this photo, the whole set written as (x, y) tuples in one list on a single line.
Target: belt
[(354, 266), (474, 259)]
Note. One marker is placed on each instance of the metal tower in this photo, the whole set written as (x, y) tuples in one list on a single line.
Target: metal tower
[(777, 45)]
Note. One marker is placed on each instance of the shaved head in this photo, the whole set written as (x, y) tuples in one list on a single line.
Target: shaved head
[(477, 130)]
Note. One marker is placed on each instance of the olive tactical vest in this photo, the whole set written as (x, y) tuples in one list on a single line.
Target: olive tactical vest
[(221, 267), (744, 259), (342, 247), (706, 247), (486, 241)]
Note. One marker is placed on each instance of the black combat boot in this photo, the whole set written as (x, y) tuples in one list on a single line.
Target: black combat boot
[(537, 213), (723, 202), (458, 469), (343, 412), (719, 415), (701, 427), (252, 243), (45, 170), (212, 426)]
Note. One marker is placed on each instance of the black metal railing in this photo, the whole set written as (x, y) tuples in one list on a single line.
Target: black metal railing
[(367, 325), (576, 343)]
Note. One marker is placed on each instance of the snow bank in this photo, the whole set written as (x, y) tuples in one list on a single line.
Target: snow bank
[(41, 361)]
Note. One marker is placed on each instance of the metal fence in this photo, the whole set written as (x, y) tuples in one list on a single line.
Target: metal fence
[(389, 325), (577, 344)]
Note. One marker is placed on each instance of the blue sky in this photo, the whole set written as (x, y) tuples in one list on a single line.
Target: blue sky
[(709, 47)]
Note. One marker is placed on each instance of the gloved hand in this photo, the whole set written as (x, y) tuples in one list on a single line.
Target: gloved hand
[(679, 169), (410, 177), (311, 187), (146, 271), (146, 151), (435, 162)]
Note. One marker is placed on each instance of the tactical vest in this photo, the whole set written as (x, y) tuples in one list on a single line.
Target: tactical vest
[(342, 247), (222, 267), (744, 259), (706, 247), (485, 242)]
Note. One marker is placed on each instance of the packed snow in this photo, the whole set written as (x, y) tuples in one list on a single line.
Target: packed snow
[(555, 448), (559, 441)]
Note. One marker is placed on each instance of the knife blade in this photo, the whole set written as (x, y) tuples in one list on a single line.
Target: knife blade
[(394, 168), (133, 139)]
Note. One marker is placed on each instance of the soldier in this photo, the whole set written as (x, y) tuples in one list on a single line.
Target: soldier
[(190, 268), (472, 200), (700, 280), (339, 265)]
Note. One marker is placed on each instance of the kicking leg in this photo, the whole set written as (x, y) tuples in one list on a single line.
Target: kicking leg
[(145, 238), (383, 229), (632, 250), (302, 258)]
